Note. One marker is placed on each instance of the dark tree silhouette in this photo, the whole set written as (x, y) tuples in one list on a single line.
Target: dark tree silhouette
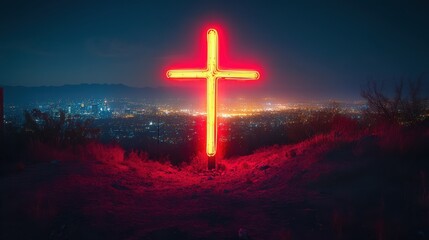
[(62, 130), (406, 109)]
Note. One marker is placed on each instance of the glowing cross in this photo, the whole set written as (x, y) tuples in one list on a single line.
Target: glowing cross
[(212, 74)]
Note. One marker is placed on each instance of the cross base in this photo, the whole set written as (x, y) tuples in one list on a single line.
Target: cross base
[(211, 162)]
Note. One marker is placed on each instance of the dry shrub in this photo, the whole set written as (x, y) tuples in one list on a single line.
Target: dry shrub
[(137, 156), (403, 107), (198, 162), (397, 139), (136, 161), (103, 153), (90, 151), (343, 125)]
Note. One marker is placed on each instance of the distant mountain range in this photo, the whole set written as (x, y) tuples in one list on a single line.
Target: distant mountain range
[(22, 95)]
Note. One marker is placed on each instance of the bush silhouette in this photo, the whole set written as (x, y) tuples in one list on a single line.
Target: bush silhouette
[(60, 131), (401, 108)]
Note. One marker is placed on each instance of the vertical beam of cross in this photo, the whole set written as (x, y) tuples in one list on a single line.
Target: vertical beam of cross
[(212, 74), (212, 68)]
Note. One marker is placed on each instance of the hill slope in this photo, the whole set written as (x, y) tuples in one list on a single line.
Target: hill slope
[(329, 187)]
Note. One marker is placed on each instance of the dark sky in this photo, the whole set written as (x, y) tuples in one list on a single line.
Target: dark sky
[(305, 49)]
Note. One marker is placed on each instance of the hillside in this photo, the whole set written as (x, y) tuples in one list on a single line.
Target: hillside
[(329, 187)]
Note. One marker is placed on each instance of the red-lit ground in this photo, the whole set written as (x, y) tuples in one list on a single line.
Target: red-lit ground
[(330, 187)]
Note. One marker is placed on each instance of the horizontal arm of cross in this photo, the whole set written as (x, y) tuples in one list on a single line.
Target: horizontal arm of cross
[(187, 74), (238, 75)]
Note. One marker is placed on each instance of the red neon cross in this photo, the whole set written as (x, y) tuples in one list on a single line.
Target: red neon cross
[(212, 74)]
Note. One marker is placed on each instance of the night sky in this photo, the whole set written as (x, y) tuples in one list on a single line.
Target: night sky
[(305, 50)]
